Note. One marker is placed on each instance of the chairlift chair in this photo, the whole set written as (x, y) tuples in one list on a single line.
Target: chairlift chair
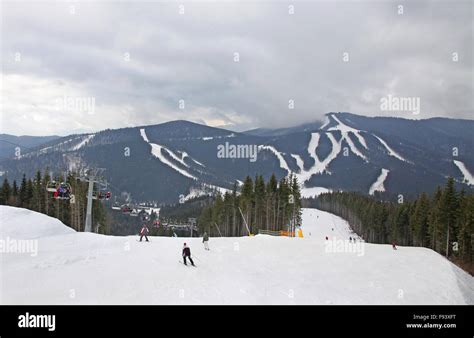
[(126, 209), (116, 206), (52, 186), (63, 191)]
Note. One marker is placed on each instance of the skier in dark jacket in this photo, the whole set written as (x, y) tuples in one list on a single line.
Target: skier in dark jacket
[(144, 232), (187, 253)]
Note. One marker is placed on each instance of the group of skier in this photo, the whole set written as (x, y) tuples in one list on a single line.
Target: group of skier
[(62, 191), (186, 251), (353, 240)]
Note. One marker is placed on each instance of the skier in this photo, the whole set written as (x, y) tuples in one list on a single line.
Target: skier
[(144, 232), (187, 253), (394, 245), (327, 238), (205, 240)]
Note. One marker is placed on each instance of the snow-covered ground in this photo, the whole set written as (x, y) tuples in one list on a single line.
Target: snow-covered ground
[(86, 268), (313, 191)]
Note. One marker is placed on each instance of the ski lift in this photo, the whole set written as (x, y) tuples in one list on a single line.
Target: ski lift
[(116, 206), (104, 195), (126, 209), (145, 216), (101, 195), (52, 187), (62, 191)]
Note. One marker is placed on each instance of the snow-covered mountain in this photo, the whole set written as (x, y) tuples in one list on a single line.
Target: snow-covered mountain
[(62, 266), (168, 161)]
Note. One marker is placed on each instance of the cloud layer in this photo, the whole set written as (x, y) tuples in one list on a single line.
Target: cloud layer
[(233, 64)]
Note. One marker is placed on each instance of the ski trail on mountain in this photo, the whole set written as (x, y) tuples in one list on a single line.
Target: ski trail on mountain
[(86, 140), (466, 173), (279, 156), (390, 151), (318, 166), (378, 185), (156, 151), (345, 130), (299, 161)]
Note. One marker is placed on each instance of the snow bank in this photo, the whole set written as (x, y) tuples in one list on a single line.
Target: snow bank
[(86, 268), (18, 223)]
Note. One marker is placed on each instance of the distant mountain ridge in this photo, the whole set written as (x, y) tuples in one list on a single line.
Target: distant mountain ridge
[(177, 159), (9, 143)]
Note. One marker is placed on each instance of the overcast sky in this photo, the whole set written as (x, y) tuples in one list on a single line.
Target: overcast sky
[(135, 61)]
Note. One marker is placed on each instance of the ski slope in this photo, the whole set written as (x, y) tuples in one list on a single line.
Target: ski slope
[(468, 177), (156, 150), (278, 154), (86, 268), (378, 185)]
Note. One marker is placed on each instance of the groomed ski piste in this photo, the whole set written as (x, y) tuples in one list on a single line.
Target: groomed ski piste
[(86, 268)]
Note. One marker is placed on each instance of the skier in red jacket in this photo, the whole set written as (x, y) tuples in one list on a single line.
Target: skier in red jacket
[(144, 232)]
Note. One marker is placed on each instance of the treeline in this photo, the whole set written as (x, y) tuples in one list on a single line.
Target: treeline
[(181, 212), (443, 222), (31, 194), (268, 206)]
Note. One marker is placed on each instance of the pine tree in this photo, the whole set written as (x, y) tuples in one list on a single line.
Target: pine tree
[(259, 202), (448, 213), (419, 221), (466, 228), (23, 192), (6, 191), (295, 191), (29, 194), (37, 193), (14, 194), (434, 220), (271, 191)]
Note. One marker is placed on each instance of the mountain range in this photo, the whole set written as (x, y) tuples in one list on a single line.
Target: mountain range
[(176, 160)]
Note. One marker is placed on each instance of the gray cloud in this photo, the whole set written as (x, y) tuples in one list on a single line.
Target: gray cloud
[(190, 57)]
